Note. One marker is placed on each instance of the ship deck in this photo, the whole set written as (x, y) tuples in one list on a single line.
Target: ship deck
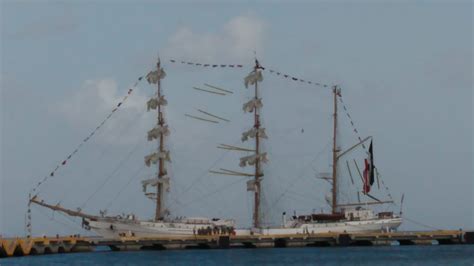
[(54, 245)]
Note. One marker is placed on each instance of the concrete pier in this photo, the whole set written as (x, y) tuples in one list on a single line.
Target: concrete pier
[(53, 245), (41, 245)]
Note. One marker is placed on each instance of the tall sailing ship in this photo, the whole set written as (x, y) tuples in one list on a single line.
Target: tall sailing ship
[(163, 223), (344, 217)]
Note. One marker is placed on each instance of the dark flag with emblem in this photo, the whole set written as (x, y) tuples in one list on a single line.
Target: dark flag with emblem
[(369, 171)]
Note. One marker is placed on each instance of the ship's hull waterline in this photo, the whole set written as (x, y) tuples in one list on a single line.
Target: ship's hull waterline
[(114, 229), (375, 225)]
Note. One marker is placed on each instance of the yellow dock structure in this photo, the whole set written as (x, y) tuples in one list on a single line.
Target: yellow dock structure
[(41, 245), (53, 245)]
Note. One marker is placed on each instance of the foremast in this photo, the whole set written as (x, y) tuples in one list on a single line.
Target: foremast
[(335, 150), (159, 134)]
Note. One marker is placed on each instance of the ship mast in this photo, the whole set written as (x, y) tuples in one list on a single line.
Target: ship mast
[(161, 172), (159, 132), (257, 157), (258, 172), (335, 150)]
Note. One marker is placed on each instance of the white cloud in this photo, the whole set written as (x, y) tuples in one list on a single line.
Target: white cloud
[(236, 40), (89, 105)]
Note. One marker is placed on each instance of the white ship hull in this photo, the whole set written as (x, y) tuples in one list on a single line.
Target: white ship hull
[(375, 225), (144, 229), (148, 229)]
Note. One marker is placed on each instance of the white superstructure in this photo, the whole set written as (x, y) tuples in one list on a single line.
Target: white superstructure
[(353, 220)]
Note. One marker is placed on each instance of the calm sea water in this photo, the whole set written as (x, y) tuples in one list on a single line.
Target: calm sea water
[(392, 255)]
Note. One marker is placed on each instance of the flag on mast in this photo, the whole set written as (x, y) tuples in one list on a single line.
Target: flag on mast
[(369, 170)]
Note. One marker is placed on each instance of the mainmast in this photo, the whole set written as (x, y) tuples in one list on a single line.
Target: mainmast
[(336, 92), (257, 158), (159, 132), (257, 132), (258, 172)]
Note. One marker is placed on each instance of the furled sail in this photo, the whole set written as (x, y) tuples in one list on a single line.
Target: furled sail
[(252, 78), (251, 185), (156, 75), (252, 159), (165, 155), (154, 102), (252, 104), (157, 131), (252, 133), (154, 157), (155, 181), (151, 159)]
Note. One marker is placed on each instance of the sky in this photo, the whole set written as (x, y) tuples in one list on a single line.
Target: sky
[(405, 69)]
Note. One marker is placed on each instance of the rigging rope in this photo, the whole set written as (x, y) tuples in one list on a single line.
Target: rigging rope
[(354, 129), (298, 177), (225, 186), (124, 187), (385, 186), (128, 126), (271, 71), (73, 221), (40, 210), (290, 77), (356, 132), (120, 164), (206, 65), (205, 173), (420, 224), (84, 141)]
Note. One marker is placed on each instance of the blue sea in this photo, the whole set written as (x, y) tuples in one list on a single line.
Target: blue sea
[(452, 255)]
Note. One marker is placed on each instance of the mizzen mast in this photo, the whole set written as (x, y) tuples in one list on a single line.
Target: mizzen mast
[(161, 156)]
